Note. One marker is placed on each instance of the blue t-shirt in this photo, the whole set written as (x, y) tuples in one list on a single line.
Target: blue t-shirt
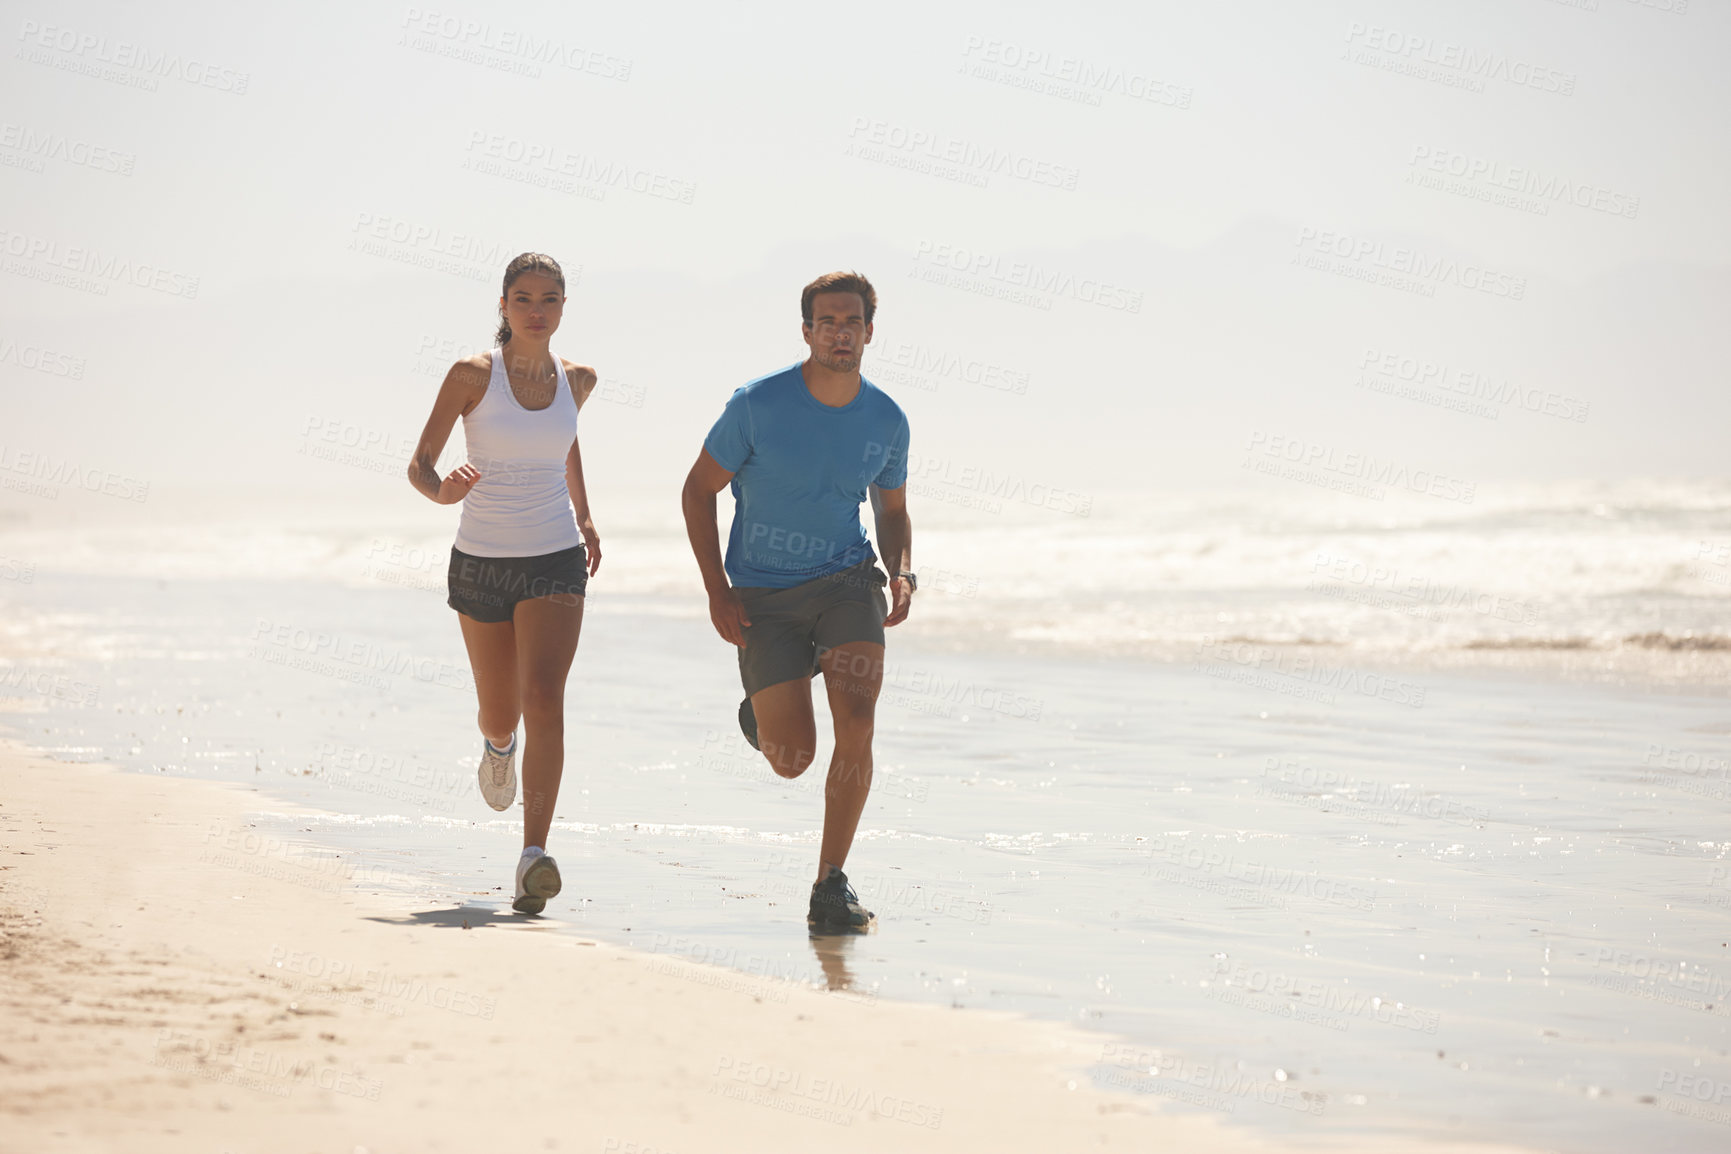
[(800, 471)]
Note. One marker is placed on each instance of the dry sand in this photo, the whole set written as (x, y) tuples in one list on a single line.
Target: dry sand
[(172, 983)]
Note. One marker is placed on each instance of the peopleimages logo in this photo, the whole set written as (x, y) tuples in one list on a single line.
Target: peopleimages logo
[(1494, 174), (777, 541), (893, 138), (380, 982), (1306, 784), (279, 641), (1266, 664), (1373, 255), (1285, 993), (52, 470), (1240, 875), (39, 359), (1469, 384), (1673, 981), (429, 240), (1418, 52), (925, 363), (1389, 587), (1070, 73), (950, 691), (78, 261), (479, 35), (86, 50), (848, 1099), (1025, 275), (1223, 1082), (556, 160), (39, 146), (52, 686), (1696, 1086), (935, 475), (1358, 467)]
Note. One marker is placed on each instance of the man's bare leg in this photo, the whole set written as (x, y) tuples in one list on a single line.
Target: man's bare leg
[(853, 675), (786, 730)]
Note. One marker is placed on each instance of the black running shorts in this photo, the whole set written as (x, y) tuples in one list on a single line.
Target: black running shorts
[(488, 588)]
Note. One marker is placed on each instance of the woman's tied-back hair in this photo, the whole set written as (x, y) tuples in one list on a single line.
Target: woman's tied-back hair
[(520, 264), (839, 282)]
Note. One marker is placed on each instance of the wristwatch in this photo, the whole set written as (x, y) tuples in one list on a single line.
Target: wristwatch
[(913, 581)]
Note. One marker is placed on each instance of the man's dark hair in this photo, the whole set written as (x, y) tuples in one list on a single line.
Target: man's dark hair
[(839, 282)]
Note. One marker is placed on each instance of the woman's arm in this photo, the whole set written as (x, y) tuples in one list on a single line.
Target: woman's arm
[(582, 379), (463, 386)]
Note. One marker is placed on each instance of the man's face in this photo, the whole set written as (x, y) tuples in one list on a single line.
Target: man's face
[(838, 333)]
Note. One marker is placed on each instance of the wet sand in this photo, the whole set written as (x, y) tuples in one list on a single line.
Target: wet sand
[(1323, 902), (177, 981)]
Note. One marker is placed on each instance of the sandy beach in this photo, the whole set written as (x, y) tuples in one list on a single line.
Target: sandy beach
[(1309, 899), (176, 982)]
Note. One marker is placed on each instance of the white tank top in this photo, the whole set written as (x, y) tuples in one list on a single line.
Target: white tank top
[(520, 507)]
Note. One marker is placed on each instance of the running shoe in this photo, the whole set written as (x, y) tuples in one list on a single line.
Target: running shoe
[(834, 905), (498, 774), (537, 880)]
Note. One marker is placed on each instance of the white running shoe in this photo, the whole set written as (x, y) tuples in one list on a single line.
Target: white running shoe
[(537, 880), (498, 774)]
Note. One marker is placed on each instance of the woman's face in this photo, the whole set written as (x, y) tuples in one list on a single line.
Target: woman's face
[(533, 305)]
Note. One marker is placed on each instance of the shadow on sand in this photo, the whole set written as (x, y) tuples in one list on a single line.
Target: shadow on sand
[(466, 917)]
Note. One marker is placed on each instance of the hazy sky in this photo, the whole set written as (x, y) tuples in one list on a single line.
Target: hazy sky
[(1115, 245)]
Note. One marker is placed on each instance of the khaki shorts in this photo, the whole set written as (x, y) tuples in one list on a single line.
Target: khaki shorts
[(791, 628)]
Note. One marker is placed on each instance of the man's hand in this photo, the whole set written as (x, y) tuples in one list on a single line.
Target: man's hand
[(728, 616), (902, 599), (697, 500), (895, 539)]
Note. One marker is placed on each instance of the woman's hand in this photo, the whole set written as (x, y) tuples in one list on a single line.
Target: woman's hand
[(591, 544), (456, 486)]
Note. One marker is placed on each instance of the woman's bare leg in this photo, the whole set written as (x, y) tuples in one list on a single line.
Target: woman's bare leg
[(492, 649), (546, 631)]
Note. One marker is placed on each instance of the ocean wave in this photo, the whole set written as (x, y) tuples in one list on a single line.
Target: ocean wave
[(1532, 643), (1559, 568), (1686, 640)]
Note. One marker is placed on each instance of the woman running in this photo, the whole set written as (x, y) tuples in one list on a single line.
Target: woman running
[(525, 549)]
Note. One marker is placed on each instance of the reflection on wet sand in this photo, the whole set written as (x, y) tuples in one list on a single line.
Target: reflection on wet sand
[(832, 948)]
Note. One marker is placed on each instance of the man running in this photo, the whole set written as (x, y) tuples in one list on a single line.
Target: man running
[(802, 448)]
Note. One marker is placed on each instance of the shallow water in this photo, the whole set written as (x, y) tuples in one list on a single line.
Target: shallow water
[(1321, 904)]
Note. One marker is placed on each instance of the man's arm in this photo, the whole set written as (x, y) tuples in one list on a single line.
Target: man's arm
[(895, 538), (706, 479)]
